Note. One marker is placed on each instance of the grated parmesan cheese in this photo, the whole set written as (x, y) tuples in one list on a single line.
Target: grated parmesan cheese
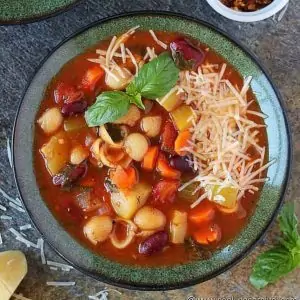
[(20, 297), (64, 267), (16, 201), (60, 283), (20, 238), (4, 217), (9, 155), (18, 208), (222, 132), (158, 42), (3, 208)]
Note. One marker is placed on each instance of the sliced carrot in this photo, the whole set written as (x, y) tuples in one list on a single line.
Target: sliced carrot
[(164, 169), (208, 235), (124, 178), (204, 212), (182, 141), (91, 77), (150, 158)]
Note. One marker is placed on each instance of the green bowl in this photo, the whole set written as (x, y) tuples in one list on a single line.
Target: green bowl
[(18, 11), (169, 277)]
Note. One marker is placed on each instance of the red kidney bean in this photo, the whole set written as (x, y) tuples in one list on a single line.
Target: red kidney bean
[(154, 243), (186, 55), (74, 108), (181, 163), (70, 174)]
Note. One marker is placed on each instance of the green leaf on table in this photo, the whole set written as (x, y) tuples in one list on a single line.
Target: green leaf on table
[(109, 106), (155, 78), (271, 265)]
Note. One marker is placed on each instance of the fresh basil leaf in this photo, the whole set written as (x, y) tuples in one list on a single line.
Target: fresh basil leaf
[(155, 78), (137, 100), (283, 258), (109, 106), (288, 224), (271, 266)]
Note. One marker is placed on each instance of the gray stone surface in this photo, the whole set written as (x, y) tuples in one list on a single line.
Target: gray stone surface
[(22, 48)]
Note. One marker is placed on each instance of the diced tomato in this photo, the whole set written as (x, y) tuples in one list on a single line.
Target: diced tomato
[(65, 93), (208, 234), (168, 137), (203, 213), (150, 158), (164, 168), (91, 77), (164, 192)]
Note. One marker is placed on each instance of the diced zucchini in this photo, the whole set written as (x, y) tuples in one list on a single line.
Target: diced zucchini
[(183, 116), (74, 123), (127, 202), (224, 196), (188, 194), (56, 153), (171, 100)]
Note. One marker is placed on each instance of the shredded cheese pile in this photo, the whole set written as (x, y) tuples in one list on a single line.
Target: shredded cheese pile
[(222, 133)]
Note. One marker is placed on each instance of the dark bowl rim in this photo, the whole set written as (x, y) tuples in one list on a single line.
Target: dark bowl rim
[(42, 17), (145, 287)]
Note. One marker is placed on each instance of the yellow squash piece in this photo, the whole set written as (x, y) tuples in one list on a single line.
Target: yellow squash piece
[(224, 196), (183, 117), (171, 100), (13, 268), (127, 202), (56, 153)]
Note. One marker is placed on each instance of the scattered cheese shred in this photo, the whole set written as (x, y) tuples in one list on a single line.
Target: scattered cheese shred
[(41, 246), (4, 217), (1, 241), (20, 238), (3, 208), (9, 155), (158, 42), (25, 227), (17, 201), (20, 297), (60, 283), (64, 267), (18, 208)]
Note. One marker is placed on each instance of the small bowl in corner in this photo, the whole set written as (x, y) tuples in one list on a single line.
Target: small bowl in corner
[(240, 16)]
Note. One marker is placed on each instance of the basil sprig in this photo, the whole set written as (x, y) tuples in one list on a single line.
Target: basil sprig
[(284, 257), (154, 80)]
